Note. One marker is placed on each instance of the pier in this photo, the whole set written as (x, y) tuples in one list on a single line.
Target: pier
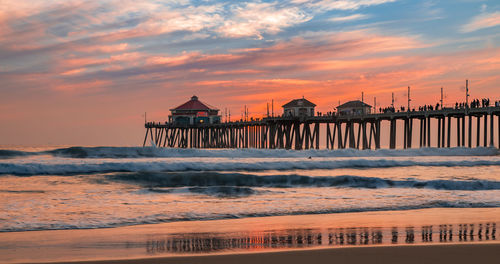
[(443, 128)]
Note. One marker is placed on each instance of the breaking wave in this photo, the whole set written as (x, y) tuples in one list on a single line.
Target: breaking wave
[(163, 218), (151, 152), (223, 182), (175, 165), (217, 191), (6, 153)]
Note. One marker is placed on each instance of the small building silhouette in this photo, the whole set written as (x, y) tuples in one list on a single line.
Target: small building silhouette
[(194, 112), (355, 107), (299, 108)]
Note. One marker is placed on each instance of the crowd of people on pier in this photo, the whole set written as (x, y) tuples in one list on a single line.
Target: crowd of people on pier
[(476, 103), (484, 103)]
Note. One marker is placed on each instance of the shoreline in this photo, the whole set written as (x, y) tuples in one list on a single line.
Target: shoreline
[(208, 220), (199, 239)]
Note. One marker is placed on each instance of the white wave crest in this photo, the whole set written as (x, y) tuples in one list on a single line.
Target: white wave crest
[(226, 164), (138, 152)]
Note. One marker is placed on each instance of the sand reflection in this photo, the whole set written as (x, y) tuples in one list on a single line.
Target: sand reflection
[(304, 238)]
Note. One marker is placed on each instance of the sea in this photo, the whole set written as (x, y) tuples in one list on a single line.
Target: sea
[(55, 188)]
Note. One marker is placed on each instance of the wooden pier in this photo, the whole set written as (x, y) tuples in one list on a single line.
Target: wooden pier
[(473, 127)]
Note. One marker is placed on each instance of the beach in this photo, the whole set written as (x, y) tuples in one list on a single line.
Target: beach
[(256, 131), (439, 235)]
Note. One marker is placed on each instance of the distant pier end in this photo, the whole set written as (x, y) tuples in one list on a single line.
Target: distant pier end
[(195, 124)]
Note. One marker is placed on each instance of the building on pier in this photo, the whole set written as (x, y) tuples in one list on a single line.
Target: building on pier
[(193, 112), (354, 108), (299, 108)]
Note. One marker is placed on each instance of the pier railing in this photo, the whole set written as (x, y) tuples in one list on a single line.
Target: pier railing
[(342, 131)]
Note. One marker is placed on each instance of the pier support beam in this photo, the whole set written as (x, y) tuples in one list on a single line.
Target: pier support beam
[(439, 133), (448, 139), (470, 132), (340, 144), (492, 130), (443, 136), (478, 131), (410, 132), (428, 132), (365, 139), (421, 136), (352, 139), (405, 133), (146, 136), (463, 131), (485, 130), (316, 132), (392, 140), (377, 138)]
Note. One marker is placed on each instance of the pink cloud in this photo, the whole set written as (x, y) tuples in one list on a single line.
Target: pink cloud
[(484, 20), (254, 19)]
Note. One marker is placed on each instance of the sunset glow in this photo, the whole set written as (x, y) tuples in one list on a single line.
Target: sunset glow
[(85, 72)]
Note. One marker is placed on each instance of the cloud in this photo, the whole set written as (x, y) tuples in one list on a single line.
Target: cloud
[(319, 55), (484, 20), (255, 19), (349, 18), (347, 4)]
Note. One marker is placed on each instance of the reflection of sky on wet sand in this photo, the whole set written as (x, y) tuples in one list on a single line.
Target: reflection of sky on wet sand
[(260, 234), (309, 238)]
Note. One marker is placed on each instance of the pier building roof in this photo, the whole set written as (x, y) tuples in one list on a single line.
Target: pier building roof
[(354, 104), (302, 102), (195, 105)]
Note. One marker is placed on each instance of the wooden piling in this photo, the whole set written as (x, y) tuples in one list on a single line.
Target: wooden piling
[(485, 130)]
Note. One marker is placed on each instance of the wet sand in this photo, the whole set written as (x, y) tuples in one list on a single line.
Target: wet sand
[(451, 253), (434, 235)]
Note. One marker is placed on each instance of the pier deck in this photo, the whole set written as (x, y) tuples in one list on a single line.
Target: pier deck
[(344, 131)]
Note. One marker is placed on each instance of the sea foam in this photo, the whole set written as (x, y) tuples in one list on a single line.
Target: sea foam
[(85, 166), (151, 152)]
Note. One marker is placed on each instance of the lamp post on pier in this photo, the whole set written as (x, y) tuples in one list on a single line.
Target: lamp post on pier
[(442, 106), (409, 99), (466, 94)]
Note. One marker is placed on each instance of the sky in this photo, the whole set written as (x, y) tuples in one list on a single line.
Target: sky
[(85, 72)]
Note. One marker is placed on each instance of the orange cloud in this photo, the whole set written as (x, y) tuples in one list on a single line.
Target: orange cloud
[(79, 88)]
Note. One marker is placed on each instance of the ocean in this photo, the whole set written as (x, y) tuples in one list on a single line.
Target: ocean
[(53, 188)]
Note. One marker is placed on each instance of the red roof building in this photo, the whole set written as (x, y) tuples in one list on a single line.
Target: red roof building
[(193, 112)]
